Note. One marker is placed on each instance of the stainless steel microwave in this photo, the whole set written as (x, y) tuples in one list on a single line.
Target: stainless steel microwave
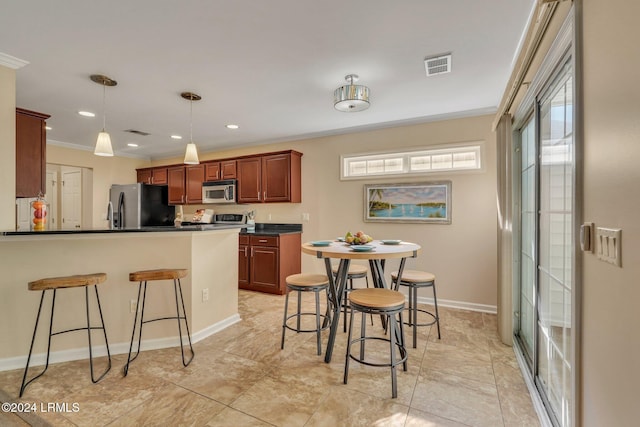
[(219, 191)]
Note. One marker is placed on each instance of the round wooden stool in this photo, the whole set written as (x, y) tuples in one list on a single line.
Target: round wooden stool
[(53, 284), (143, 277), (355, 271), (415, 279), (306, 283), (389, 304)]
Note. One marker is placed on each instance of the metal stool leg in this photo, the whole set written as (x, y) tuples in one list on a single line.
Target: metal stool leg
[(318, 336), (348, 356), (435, 303), (86, 294), (177, 286), (392, 345), (414, 313), (35, 330), (130, 359), (284, 320)]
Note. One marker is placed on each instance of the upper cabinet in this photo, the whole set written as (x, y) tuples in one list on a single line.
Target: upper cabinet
[(270, 178), (156, 176), (31, 140), (185, 184), (176, 183), (216, 171)]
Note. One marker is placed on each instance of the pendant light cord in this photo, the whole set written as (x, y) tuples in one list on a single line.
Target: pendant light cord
[(104, 108), (191, 120)]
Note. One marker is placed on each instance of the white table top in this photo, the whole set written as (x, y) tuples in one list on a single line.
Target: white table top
[(380, 251)]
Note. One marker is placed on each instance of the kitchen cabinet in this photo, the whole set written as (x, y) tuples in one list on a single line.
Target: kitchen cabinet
[(270, 178), (31, 162), (225, 169), (265, 261), (156, 176), (185, 184)]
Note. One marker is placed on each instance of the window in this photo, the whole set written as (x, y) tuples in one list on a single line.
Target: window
[(411, 162)]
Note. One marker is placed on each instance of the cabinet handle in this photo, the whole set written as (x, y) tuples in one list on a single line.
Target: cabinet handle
[(258, 195), (151, 180), (262, 241), (251, 250), (182, 199), (264, 195), (245, 251)]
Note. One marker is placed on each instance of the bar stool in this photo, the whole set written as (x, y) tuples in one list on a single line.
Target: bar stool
[(355, 272), (55, 283), (152, 275), (389, 304), (415, 279), (306, 283)]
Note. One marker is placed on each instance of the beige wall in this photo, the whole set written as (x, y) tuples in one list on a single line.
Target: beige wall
[(7, 148), (462, 255), (106, 171), (610, 338)]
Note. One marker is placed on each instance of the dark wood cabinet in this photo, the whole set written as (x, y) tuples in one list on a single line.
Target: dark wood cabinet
[(216, 171), (156, 176), (185, 184), (194, 177), (176, 184), (31, 161), (265, 262), (270, 178)]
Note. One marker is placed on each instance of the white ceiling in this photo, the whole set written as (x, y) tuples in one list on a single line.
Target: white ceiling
[(269, 66)]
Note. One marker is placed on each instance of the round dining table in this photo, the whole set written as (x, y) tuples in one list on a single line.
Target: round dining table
[(379, 253)]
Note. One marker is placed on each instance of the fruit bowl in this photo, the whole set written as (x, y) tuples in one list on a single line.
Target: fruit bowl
[(358, 238)]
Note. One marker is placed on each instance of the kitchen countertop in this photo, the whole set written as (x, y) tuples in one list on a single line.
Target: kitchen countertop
[(271, 229), (201, 227)]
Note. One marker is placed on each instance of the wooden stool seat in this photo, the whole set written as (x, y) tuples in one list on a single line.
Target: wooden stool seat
[(354, 270), (307, 280), (414, 276), (376, 298), (159, 274), (67, 281)]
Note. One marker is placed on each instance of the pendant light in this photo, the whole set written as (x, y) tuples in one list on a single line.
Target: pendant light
[(191, 154), (103, 144), (351, 98)]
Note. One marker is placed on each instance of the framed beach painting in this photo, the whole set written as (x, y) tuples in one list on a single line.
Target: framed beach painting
[(425, 202)]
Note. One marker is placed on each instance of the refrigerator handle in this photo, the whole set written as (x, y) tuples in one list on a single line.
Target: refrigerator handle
[(121, 209)]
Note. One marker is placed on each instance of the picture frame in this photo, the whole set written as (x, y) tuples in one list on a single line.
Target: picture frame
[(416, 203)]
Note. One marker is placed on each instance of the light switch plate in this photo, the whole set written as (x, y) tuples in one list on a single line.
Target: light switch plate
[(608, 245)]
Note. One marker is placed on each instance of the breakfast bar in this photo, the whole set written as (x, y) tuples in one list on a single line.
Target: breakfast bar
[(210, 288)]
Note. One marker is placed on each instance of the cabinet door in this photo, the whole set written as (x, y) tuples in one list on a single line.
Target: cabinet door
[(194, 176), (159, 176), (264, 270), (249, 180), (144, 176), (228, 169), (30, 153), (276, 178), (243, 267), (212, 171), (175, 180)]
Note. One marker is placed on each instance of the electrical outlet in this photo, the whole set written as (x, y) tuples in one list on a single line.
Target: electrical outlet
[(305, 217), (205, 295), (132, 306), (269, 217)]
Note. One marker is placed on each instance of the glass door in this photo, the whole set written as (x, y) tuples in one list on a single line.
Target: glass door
[(545, 251)]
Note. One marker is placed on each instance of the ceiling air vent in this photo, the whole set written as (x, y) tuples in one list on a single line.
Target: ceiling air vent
[(437, 64), (138, 132)]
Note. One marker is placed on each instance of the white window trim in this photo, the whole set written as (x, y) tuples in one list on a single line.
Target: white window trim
[(476, 146)]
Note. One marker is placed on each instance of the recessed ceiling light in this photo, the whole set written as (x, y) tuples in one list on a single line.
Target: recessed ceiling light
[(47, 127), (176, 137), (132, 144), (232, 126), (86, 113)]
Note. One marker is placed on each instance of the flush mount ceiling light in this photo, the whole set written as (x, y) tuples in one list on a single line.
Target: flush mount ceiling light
[(351, 98), (103, 144), (191, 154)]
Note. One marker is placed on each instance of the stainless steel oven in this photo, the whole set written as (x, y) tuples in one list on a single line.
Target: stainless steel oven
[(218, 192)]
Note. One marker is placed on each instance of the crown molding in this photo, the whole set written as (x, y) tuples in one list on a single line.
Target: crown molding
[(11, 61)]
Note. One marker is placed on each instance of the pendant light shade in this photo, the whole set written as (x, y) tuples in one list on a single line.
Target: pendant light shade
[(351, 98), (191, 153), (103, 144)]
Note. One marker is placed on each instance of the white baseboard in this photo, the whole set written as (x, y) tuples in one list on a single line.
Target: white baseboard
[(40, 359), (462, 305)]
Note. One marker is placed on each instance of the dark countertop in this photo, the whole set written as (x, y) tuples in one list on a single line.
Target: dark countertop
[(154, 229), (270, 229)]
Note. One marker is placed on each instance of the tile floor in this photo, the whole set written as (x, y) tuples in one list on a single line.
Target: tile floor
[(240, 377)]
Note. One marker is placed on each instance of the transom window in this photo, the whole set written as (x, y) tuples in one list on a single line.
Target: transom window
[(411, 162)]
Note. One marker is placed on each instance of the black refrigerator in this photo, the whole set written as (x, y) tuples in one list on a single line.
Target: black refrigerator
[(141, 205)]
